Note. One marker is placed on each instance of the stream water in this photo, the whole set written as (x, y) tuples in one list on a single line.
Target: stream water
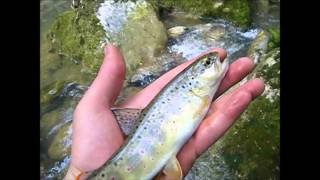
[(70, 82)]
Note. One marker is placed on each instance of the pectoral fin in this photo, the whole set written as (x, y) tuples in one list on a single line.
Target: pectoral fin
[(172, 171), (126, 118)]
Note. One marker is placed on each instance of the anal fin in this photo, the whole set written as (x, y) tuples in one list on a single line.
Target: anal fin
[(172, 171)]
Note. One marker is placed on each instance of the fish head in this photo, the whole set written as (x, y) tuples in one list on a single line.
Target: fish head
[(209, 69)]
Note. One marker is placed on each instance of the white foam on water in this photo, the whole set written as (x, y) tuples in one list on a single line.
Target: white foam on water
[(251, 34), (197, 41), (113, 15)]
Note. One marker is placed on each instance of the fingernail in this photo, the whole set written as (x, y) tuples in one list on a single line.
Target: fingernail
[(107, 49)]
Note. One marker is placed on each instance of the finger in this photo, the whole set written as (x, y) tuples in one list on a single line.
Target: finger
[(143, 98), (108, 83), (237, 71), (217, 123)]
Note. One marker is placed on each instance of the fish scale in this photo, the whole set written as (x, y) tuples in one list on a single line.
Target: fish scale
[(167, 122)]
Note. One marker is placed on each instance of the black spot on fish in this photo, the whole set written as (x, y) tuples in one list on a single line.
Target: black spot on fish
[(190, 83), (192, 77), (176, 87), (139, 137), (121, 159), (115, 164), (145, 128), (162, 102), (183, 86), (171, 91), (168, 99), (102, 175), (173, 122), (137, 127), (152, 115)]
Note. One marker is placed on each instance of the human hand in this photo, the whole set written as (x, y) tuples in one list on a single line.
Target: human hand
[(96, 134)]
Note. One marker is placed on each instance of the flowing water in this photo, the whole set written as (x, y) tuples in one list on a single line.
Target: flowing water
[(63, 80)]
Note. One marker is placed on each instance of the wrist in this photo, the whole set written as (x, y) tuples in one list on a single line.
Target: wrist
[(75, 173)]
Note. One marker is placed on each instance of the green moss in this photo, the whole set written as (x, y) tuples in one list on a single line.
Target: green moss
[(274, 41), (78, 34), (140, 12), (236, 11), (270, 73), (251, 147)]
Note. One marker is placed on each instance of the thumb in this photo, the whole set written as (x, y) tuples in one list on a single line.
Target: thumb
[(108, 83)]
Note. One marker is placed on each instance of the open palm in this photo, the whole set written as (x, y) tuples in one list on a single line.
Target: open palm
[(97, 135)]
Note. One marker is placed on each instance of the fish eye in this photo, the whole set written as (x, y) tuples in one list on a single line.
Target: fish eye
[(208, 62)]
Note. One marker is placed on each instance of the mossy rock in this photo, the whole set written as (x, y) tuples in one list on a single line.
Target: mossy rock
[(236, 11), (142, 38), (251, 147), (78, 35), (274, 38), (259, 46), (61, 143)]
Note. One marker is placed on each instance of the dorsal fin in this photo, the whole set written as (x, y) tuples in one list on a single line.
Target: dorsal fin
[(126, 117)]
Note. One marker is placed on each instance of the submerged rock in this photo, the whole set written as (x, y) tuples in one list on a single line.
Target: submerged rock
[(50, 96), (61, 144), (47, 122), (53, 95), (176, 31)]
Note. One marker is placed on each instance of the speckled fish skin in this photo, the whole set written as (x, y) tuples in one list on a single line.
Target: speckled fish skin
[(167, 123)]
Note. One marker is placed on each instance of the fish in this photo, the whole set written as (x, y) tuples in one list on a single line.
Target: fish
[(157, 133)]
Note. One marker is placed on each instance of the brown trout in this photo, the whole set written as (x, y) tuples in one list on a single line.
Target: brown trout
[(166, 124)]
